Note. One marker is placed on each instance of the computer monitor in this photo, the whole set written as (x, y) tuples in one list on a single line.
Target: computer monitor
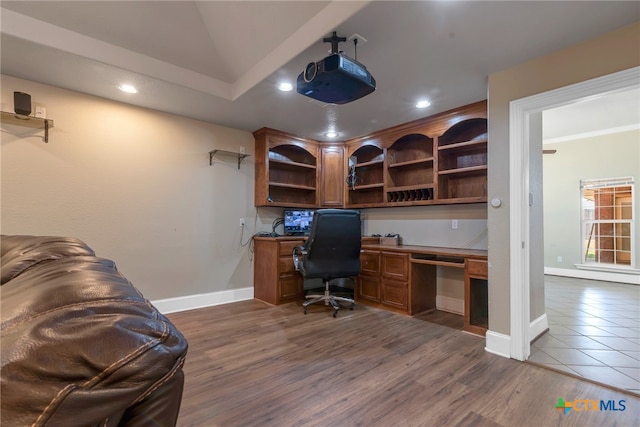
[(297, 221)]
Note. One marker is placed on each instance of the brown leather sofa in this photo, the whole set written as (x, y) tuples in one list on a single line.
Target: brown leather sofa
[(80, 345)]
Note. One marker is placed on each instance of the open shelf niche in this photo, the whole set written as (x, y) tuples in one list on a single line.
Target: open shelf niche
[(462, 162), (292, 176), (366, 177), (410, 166), (440, 159)]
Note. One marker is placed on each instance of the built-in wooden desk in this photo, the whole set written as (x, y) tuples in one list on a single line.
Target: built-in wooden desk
[(399, 278), (404, 278)]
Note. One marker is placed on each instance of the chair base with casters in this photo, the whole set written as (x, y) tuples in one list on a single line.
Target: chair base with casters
[(328, 299)]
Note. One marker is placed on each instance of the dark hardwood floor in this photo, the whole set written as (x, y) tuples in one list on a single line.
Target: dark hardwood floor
[(251, 364)]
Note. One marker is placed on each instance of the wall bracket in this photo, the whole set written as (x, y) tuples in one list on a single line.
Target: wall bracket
[(28, 121)]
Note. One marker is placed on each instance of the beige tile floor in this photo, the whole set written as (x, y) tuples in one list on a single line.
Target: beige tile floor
[(594, 331)]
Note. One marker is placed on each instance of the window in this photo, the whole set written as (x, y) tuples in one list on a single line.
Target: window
[(607, 222)]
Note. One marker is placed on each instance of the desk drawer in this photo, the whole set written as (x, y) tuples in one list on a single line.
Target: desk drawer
[(285, 264), (286, 248), (395, 266), (477, 268), (370, 262)]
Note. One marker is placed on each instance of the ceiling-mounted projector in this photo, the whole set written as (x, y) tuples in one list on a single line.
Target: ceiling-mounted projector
[(336, 79)]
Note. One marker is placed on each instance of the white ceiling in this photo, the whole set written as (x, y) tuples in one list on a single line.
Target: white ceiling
[(608, 113), (219, 61)]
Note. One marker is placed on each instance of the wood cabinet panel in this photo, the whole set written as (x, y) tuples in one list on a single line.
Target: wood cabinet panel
[(291, 288), (368, 288), (286, 247), (265, 271), (286, 170), (285, 264), (395, 293), (406, 280), (477, 268), (395, 266), (332, 176), (440, 159), (274, 277), (370, 262)]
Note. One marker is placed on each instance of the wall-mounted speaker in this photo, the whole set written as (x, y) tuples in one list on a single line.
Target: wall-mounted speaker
[(22, 103)]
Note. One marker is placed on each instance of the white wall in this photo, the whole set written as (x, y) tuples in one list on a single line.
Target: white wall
[(606, 156), (135, 185)]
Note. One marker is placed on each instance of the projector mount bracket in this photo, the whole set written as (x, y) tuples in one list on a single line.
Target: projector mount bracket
[(311, 69), (334, 40)]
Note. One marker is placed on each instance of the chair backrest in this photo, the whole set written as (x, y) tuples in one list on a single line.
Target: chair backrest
[(333, 246)]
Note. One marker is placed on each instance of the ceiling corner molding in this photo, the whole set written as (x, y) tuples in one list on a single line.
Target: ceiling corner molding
[(317, 27), (591, 134), (43, 33)]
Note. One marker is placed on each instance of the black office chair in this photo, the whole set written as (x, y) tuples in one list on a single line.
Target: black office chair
[(332, 251)]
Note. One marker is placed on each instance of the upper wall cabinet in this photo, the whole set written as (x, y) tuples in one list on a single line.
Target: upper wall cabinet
[(286, 170), (331, 176), (462, 162), (365, 175), (410, 171), (441, 159)]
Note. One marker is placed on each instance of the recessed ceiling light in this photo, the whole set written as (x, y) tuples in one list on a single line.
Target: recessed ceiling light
[(128, 88), (285, 86), (331, 134), (422, 104)]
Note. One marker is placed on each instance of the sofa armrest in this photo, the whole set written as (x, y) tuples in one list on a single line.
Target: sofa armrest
[(82, 346), (19, 253)]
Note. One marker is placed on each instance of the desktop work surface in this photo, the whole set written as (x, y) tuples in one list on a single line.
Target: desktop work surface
[(400, 278)]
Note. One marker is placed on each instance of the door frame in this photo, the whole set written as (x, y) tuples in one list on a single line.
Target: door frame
[(520, 112)]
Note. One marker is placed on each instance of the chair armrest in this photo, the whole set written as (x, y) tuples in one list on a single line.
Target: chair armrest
[(298, 254)]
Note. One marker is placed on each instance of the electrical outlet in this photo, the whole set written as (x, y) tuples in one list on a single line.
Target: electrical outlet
[(241, 222), (454, 224), (559, 259), (41, 112)]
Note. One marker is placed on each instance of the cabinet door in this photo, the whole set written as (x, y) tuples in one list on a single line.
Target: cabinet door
[(368, 288), (332, 176), (395, 266), (291, 287), (395, 293)]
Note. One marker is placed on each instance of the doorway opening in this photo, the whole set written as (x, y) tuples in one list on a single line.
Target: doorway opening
[(525, 127)]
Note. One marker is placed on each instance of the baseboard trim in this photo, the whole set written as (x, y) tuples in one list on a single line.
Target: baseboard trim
[(450, 305), (498, 344), (191, 302), (632, 279), (538, 327)]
